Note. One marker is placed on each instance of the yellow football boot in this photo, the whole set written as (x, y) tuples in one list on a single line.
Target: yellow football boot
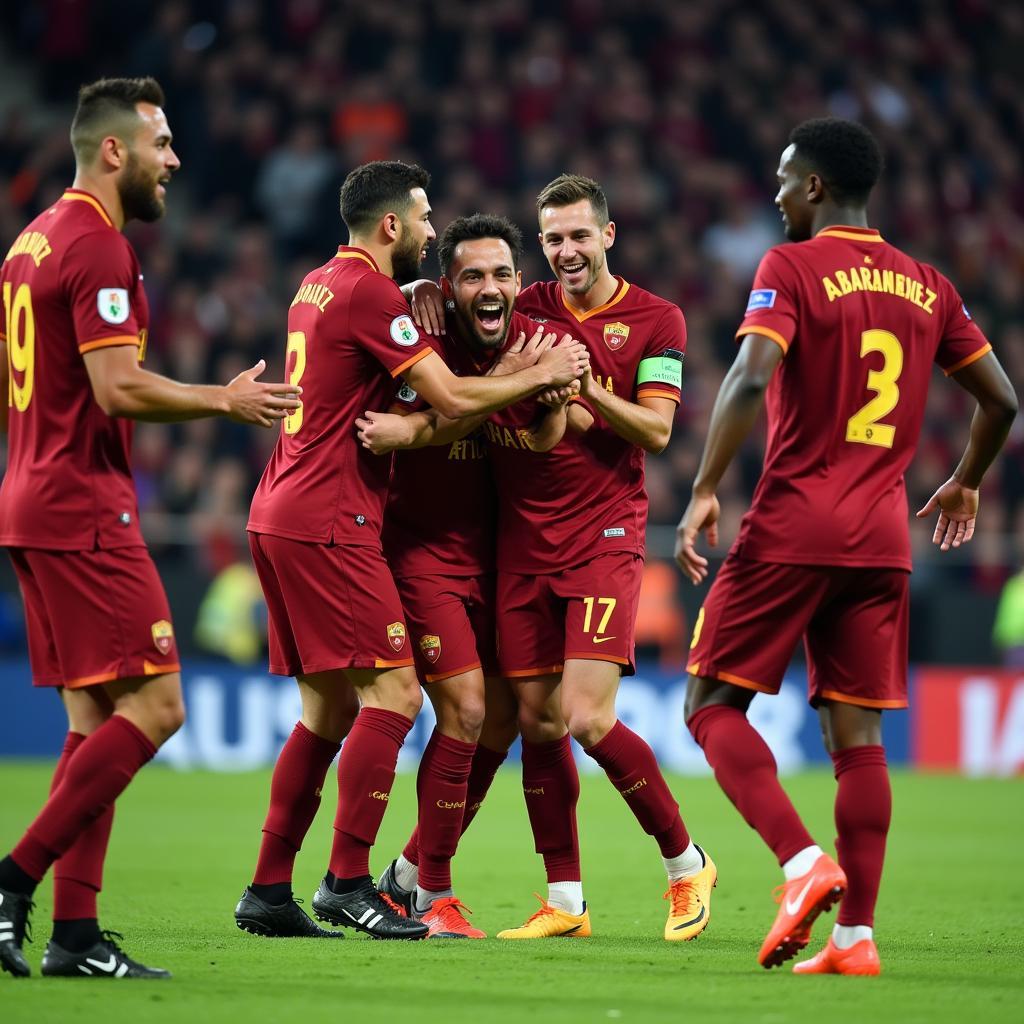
[(551, 923), (689, 899)]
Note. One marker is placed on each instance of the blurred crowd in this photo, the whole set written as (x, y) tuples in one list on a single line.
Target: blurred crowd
[(679, 109)]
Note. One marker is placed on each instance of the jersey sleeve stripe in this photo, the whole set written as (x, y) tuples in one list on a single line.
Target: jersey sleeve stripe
[(118, 339), (973, 357), (411, 362), (657, 393), (767, 332)]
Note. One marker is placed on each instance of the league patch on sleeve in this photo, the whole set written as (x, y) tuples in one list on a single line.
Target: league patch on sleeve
[(403, 331), (112, 304), (761, 298), (406, 394)]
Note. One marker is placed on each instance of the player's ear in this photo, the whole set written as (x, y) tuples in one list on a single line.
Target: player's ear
[(112, 152), (609, 234), (519, 281), (447, 292), (815, 188), (391, 225)]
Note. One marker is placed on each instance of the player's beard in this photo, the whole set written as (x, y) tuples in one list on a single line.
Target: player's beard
[(594, 268), (406, 260), (139, 199), (471, 327)]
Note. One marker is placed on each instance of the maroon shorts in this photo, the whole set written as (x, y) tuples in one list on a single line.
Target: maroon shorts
[(329, 607), (588, 611), (853, 622), (451, 620), (94, 616)]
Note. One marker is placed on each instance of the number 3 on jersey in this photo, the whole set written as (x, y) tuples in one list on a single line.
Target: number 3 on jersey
[(21, 344), (863, 426), (296, 345)]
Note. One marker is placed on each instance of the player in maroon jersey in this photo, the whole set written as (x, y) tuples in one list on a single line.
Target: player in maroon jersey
[(570, 558), (336, 622), (838, 341), (99, 627), (442, 555)]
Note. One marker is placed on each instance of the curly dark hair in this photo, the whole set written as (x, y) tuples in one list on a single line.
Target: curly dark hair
[(844, 153), (479, 225), (374, 189), (108, 107)]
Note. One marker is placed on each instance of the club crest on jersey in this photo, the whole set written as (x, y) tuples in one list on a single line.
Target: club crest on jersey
[(403, 331), (406, 394), (430, 647), (396, 635), (163, 635), (616, 335), (761, 298), (112, 304)]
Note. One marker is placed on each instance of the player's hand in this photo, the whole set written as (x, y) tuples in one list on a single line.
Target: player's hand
[(382, 432), (427, 307), (567, 361), (958, 509), (701, 515), (558, 398), (260, 403), (522, 354)]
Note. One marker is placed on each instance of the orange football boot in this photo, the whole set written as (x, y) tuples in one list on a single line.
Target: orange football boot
[(800, 902), (860, 958), (445, 920)]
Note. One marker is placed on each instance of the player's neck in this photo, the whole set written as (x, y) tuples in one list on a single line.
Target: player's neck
[(603, 291), (105, 190), (381, 253), (834, 216)]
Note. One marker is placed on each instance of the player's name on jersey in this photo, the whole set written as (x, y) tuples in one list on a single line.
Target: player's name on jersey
[(871, 279), (30, 243), (315, 294), (467, 449), (506, 437)]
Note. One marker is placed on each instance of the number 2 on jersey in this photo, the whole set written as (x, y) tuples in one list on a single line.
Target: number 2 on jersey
[(296, 344), (21, 344), (863, 426)]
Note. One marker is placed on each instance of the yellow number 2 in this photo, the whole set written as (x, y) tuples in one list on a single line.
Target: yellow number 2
[(21, 344), (296, 344), (609, 607), (863, 426)]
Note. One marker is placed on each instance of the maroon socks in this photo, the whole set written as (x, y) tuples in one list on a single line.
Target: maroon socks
[(552, 789)]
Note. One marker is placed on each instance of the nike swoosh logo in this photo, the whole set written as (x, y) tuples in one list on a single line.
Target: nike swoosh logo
[(792, 906), (575, 928), (695, 920), (109, 966), (602, 639)]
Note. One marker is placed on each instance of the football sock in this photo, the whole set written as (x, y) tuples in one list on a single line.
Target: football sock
[(441, 790), (294, 799), (802, 862), (78, 875), (13, 879), (275, 894), (551, 786), (406, 873), (863, 811), (633, 770), (746, 771), (425, 897), (76, 936), (95, 776), (567, 896), (845, 936), (688, 863), (342, 885), (366, 772)]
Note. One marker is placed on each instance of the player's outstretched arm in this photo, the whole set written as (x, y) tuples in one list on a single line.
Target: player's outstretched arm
[(647, 423), (123, 388), (957, 499), (736, 409)]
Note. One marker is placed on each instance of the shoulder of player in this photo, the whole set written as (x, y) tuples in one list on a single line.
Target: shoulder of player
[(542, 297), (638, 299)]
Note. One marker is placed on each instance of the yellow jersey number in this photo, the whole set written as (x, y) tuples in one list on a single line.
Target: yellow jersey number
[(296, 344), (863, 426), (608, 604), (21, 344)]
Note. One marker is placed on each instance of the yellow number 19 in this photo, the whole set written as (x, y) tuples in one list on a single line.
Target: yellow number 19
[(863, 426), (21, 344), (296, 344)]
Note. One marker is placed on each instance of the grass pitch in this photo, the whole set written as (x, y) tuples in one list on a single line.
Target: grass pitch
[(949, 923)]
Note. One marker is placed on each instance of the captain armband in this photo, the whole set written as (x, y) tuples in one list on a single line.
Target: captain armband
[(666, 368)]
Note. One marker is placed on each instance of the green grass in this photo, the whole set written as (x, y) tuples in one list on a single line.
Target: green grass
[(949, 921)]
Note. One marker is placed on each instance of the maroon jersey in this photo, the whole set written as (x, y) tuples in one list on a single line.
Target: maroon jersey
[(70, 284), (349, 335), (586, 497), (440, 513), (861, 324)]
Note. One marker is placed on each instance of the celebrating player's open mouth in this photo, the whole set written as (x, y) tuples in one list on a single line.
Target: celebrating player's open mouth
[(491, 316), (574, 274)]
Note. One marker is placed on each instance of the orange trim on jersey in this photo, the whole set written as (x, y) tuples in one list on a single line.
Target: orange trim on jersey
[(118, 339), (727, 677), (543, 670), (109, 677), (381, 663), (150, 669), (970, 359), (863, 702), (585, 314), (592, 656), (766, 332), (85, 197), (454, 672), (848, 231), (411, 362), (356, 254), (672, 396)]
